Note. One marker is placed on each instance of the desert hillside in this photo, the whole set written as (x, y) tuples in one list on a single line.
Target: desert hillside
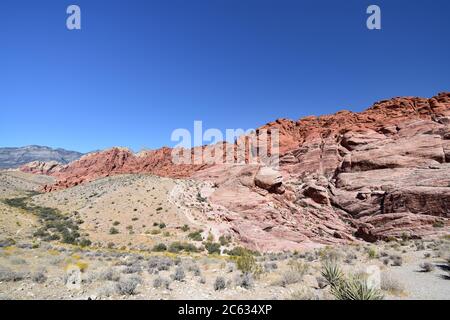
[(380, 174), (139, 236)]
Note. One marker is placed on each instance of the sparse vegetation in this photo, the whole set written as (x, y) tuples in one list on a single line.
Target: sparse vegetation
[(127, 286), (212, 247), (219, 284), (113, 230), (159, 247), (56, 226), (196, 236), (427, 267)]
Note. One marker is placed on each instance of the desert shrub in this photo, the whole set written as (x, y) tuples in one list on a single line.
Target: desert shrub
[(159, 247), (355, 288), (109, 275), (225, 240), (18, 261), (162, 225), (299, 267), (212, 247), (303, 294), (176, 247), (332, 273), (350, 257), (270, 266), (396, 260), (321, 282), (113, 230), (185, 228), (196, 236), (159, 264), (200, 198), (289, 277), (39, 277), (244, 280), (7, 275), (179, 274), (427, 255), (310, 256), (7, 242), (390, 284), (329, 254), (427, 267), (247, 264), (116, 223), (127, 286), (195, 269), (240, 251), (85, 242), (230, 267), (219, 284), (160, 282), (371, 253), (438, 224), (132, 269)]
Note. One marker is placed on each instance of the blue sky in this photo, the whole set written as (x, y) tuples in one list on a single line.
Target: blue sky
[(140, 69)]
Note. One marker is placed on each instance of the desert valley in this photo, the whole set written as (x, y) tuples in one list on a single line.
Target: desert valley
[(352, 190)]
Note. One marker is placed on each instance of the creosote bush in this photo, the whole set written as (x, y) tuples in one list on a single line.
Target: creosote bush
[(127, 286), (219, 284), (179, 274)]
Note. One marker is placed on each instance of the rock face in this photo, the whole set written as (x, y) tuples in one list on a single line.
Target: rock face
[(381, 173), (40, 167), (11, 158)]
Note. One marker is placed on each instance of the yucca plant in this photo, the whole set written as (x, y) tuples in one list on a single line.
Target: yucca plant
[(355, 289), (332, 273)]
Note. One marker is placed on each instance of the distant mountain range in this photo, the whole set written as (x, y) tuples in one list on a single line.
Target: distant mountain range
[(11, 158)]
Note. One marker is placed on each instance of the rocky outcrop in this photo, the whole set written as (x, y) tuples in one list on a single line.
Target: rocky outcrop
[(269, 179), (40, 167), (381, 173)]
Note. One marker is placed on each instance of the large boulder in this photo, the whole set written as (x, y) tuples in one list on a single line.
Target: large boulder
[(270, 180)]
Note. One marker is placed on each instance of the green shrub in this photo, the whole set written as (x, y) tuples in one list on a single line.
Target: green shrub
[(212, 247), (113, 231), (247, 264), (225, 241), (240, 251), (196, 236), (159, 247), (176, 247)]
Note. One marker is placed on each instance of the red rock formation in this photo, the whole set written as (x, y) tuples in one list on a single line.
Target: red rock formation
[(379, 173)]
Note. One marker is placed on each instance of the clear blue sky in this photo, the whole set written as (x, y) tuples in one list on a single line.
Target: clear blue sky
[(139, 69)]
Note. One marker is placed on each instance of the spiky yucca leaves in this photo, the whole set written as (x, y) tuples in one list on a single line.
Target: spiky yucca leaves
[(355, 289), (332, 273)]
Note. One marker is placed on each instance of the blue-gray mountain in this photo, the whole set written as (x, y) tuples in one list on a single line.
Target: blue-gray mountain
[(11, 158)]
